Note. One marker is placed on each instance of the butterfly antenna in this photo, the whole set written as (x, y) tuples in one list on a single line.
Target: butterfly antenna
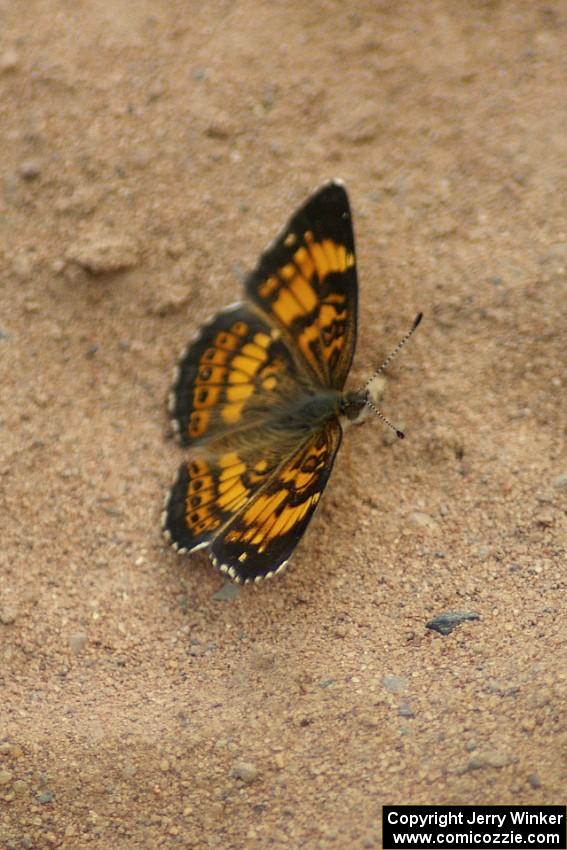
[(387, 422), (392, 354), (386, 362)]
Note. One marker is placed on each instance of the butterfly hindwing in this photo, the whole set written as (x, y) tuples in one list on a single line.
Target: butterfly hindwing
[(260, 538), (305, 282), (208, 492)]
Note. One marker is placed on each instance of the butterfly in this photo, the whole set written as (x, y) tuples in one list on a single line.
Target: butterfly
[(258, 398)]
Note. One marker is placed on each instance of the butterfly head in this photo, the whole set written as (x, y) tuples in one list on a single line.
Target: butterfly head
[(354, 406)]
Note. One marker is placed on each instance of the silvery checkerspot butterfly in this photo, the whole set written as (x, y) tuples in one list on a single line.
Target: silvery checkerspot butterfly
[(258, 398)]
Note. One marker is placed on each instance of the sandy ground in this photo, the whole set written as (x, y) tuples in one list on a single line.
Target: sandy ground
[(149, 152)]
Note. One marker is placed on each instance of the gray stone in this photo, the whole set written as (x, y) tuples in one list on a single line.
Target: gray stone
[(395, 684), (445, 623), (245, 771)]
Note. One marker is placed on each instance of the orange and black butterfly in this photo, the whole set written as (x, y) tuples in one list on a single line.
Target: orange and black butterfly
[(258, 398)]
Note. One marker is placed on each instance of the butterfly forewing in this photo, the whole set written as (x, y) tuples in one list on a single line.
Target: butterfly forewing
[(230, 377), (305, 282)]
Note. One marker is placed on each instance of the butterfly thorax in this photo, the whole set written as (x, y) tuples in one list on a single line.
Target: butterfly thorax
[(314, 411), (309, 412)]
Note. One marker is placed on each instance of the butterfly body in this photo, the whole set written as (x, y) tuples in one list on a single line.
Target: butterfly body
[(310, 412), (258, 398)]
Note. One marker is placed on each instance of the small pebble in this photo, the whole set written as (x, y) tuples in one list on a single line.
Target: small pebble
[(489, 758), (395, 684), (245, 771), (77, 642), (262, 658), (46, 797), (23, 266), (20, 787), (545, 518), (217, 130), (406, 710), (561, 482), (368, 720), (556, 252), (533, 780), (422, 520), (80, 203), (105, 254), (445, 623), (227, 593), (8, 615), (31, 306), (30, 169), (9, 61), (170, 298), (5, 777)]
